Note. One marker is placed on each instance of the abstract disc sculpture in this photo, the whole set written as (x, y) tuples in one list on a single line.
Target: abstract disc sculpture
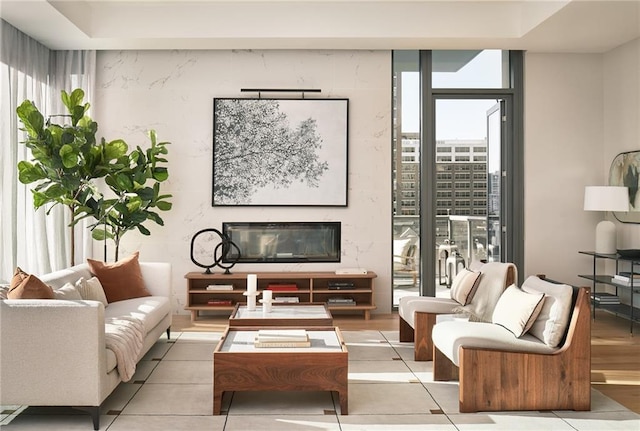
[(219, 252)]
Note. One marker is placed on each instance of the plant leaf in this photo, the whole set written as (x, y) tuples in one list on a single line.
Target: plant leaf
[(28, 172), (163, 205), (69, 156), (115, 149), (39, 199), (99, 234), (160, 174), (124, 182), (143, 230), (31, 118)]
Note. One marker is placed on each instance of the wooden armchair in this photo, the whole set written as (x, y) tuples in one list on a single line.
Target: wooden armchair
[(493, 379), (417, 315)]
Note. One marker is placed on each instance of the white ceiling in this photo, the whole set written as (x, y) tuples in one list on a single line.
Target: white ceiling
[(534, 25)]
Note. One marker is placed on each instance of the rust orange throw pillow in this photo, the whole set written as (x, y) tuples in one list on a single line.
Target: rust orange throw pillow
[(31, 287), (18, 277), (120, 280)]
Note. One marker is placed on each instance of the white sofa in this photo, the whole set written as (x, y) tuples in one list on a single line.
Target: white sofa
[(53, 352)]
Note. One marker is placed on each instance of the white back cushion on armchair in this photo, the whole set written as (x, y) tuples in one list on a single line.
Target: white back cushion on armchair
[(553, 319), (517, 310), (494, 280)]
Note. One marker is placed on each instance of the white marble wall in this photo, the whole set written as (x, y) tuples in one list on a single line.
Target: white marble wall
[(172, 92)]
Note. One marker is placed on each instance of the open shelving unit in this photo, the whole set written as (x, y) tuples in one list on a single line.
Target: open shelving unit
[(623, 310), (312, 287)]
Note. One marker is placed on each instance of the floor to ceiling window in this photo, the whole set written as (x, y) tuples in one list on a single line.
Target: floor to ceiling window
[(456, 143)]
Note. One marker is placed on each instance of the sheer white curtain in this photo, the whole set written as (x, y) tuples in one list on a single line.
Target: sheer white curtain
[(34, 240)]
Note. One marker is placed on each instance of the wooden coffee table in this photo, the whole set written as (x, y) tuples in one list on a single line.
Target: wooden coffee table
[(300, 315), (240, 366)]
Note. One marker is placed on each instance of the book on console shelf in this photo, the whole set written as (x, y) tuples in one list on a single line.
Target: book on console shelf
[(224, 287), (605, 298), (341, 285), (282, 287), (626, 277), (220, 302), (340, 301)]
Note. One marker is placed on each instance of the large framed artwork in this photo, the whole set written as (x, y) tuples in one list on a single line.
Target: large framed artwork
[(280, 152), (625, 171)]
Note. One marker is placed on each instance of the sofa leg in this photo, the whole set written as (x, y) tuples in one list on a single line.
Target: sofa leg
[(406, 332), (168, 333), (95, 415)]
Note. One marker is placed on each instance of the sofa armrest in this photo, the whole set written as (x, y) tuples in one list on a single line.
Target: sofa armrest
[(52, 352), (157, 277)]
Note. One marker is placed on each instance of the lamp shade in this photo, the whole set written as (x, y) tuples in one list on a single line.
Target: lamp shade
[(606, 198)]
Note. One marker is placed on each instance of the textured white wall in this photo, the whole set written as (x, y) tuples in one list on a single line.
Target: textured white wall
[(563, 153), (172, 92), (622, 125), (580, 111)]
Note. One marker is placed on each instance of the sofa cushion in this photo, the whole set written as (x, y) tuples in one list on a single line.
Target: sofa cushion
[(151, 310), (120, 280), (448, 337), (517, 310), (68, 292), (464, 286), (31, 288), (553, 319), (91, 290)]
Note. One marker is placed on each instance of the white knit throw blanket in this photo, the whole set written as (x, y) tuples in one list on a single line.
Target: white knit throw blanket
[(125, 337)]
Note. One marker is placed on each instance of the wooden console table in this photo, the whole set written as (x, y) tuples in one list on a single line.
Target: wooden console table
[(312, 287)]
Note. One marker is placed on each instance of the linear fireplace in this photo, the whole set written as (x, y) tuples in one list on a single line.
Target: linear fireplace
[(283, 242)]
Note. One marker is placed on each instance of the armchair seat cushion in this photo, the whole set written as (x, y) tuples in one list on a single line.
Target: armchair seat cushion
[(449, 336), (408, 306)]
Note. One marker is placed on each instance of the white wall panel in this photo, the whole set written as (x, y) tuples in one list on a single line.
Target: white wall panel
[(172, 92)]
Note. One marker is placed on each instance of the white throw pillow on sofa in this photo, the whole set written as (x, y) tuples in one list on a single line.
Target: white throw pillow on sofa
[(464, 285), (552, 321), (517, 310), (91, 290), (68, 291)]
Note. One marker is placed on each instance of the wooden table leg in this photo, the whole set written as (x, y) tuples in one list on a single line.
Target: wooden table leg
[(217, 402)]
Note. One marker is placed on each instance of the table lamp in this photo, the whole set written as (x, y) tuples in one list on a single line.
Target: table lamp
[(606, 198)]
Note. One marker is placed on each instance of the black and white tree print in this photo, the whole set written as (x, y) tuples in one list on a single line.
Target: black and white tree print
[(256, 145)]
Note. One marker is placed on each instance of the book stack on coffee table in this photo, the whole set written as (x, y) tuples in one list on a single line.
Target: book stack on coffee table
[(282, 338)]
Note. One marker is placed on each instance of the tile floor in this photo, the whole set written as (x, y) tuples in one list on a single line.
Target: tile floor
[(171, 390)]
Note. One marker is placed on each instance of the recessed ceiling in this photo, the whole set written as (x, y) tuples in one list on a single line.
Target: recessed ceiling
[(540, 26)]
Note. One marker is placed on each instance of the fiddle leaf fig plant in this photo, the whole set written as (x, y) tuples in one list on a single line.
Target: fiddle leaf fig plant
[(66, 157), (136, 186), (67, 161)]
